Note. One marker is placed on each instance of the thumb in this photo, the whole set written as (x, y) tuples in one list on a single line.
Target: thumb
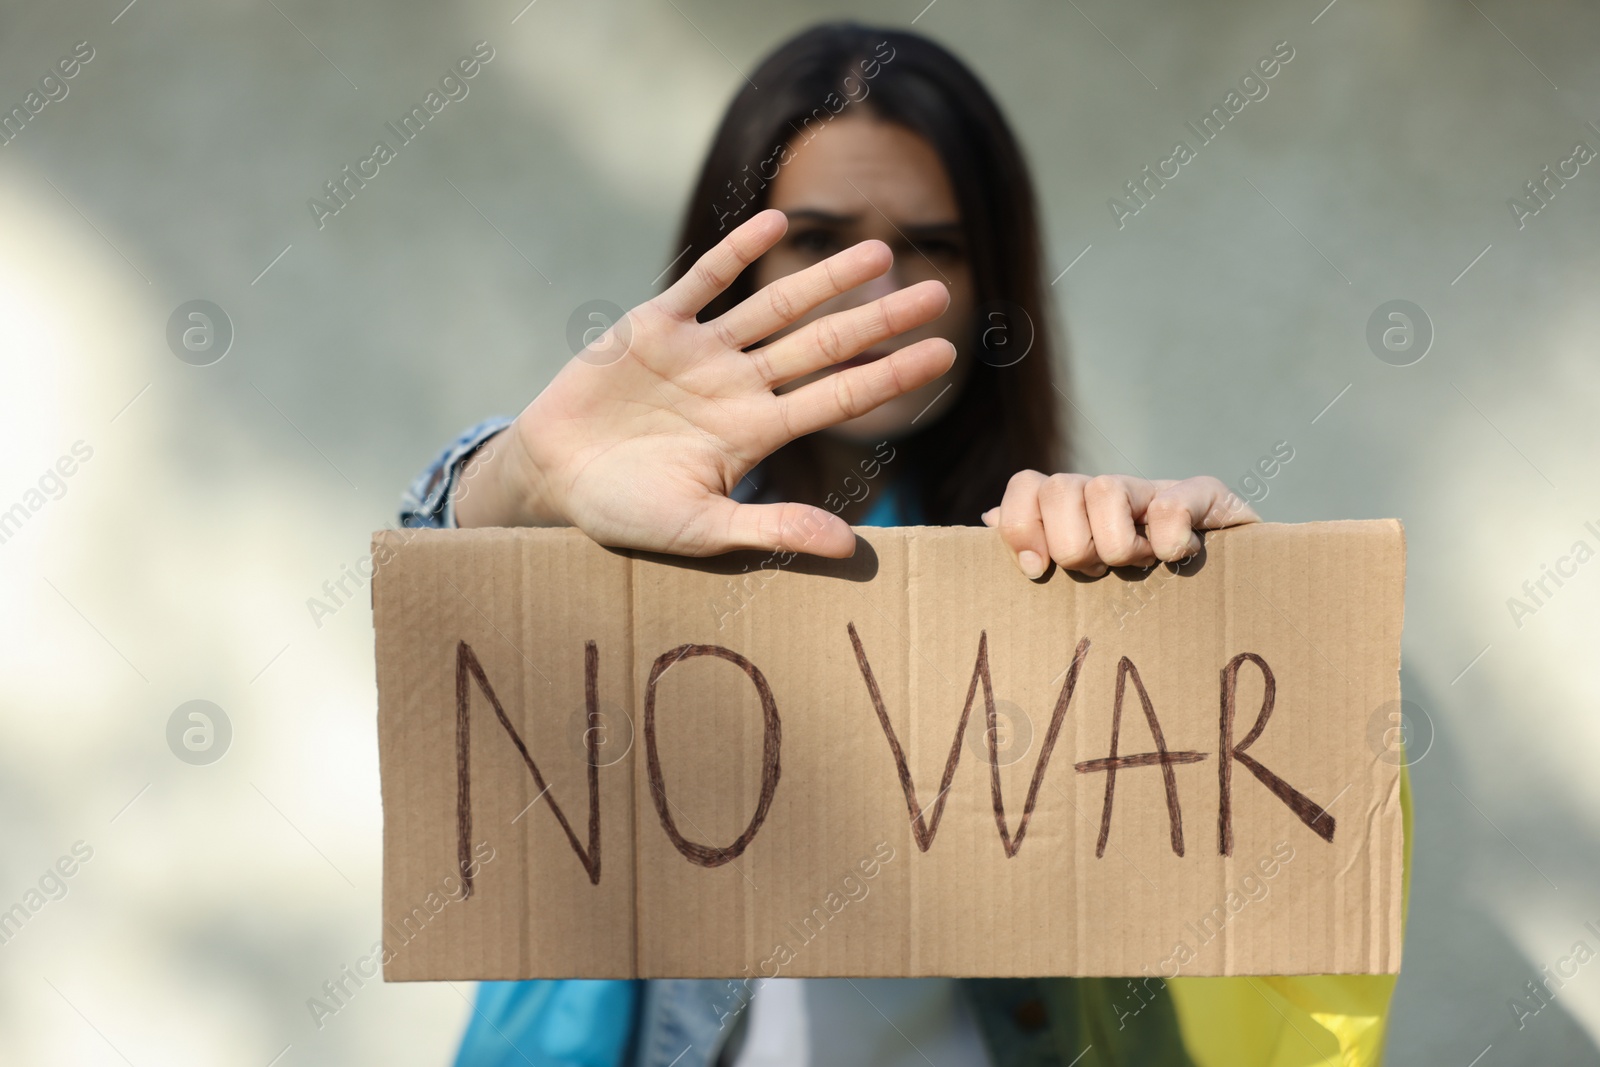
[(776, 527)]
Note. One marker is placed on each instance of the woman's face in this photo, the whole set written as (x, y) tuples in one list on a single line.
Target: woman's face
[(861, 178)]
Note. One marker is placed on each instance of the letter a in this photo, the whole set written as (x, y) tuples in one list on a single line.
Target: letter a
[(1160, 757)]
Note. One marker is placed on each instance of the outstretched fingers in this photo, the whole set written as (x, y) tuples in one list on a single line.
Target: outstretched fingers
[(854, 391), (717, 269), (792, 296), (837, 337)]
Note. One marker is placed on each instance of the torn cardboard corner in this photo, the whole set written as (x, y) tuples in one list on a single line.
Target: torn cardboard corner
[(599, 764)]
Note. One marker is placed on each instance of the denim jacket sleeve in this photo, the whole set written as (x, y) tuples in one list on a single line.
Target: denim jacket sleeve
[(430, 499)]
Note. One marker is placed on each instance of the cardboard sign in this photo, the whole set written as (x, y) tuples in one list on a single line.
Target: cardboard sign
[(601, 764)]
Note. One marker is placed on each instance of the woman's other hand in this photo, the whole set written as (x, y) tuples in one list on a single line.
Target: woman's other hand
[(1087, 524), (640, 439)]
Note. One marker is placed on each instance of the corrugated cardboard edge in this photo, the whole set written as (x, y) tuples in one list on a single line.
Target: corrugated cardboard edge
[(1397, 923)]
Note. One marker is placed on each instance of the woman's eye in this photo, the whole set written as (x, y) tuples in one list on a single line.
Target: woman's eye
[(819, 242), (940, 249)]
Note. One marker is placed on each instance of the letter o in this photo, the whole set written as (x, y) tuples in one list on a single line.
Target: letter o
[(709, 855)]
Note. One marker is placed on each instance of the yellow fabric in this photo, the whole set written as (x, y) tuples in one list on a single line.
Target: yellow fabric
[(1301, 1021)]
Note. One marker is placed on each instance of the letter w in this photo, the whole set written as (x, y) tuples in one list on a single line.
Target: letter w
[(467, 664), (924, 830)]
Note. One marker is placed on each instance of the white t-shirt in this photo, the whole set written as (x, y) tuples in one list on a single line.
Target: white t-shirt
[(861, 1022)]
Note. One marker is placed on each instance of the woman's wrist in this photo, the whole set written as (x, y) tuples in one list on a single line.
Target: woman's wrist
[(501, 485)]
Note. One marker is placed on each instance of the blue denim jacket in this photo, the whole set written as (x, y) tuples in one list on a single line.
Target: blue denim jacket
[(1047, 1022)]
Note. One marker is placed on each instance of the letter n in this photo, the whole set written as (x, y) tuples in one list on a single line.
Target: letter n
[(1310, 812), (469, 669)]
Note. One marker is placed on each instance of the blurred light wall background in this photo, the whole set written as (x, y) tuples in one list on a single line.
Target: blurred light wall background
[(1226, 316)]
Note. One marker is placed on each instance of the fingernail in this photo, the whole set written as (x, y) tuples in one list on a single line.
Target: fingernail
[(1031, 564)]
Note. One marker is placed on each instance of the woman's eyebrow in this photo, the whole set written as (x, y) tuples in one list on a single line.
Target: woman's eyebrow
[(934, 229), (830, 218)]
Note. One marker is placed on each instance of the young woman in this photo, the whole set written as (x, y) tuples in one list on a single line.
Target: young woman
[(862, 280)]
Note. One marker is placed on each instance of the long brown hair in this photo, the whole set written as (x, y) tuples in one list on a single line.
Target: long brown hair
[(1006, 417)]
